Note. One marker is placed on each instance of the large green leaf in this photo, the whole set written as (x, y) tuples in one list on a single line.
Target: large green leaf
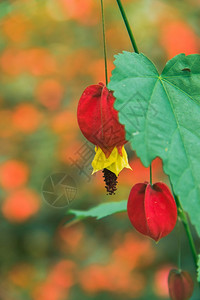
[(161, 114), (101, 211)]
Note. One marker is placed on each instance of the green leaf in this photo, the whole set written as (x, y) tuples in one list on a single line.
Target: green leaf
[(101, 211), (198, 268), (161, 114)]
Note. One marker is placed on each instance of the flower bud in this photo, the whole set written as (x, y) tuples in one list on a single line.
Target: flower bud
[(180, 285), (152, 209)]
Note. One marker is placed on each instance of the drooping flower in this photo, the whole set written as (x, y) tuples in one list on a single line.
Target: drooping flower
[(98, 121), (152, 209), (180, 285)]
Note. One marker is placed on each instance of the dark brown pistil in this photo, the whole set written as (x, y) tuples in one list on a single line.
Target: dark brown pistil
[(111, 181)]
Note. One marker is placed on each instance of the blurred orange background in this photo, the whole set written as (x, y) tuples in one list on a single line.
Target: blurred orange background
[(50, 50)]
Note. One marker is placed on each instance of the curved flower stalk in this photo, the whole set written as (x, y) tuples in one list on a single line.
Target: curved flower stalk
[(98, 121)]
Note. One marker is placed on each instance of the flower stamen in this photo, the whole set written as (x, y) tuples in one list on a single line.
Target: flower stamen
[(110, 181)]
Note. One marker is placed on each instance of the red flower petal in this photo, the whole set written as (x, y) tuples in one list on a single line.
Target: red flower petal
[(98, 120), (152, 209), (161, 211), (135, 209), (180, 285)]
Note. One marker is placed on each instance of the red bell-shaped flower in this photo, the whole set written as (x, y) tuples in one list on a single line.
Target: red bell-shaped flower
[(98, 120), (152, 209), (180, 285)]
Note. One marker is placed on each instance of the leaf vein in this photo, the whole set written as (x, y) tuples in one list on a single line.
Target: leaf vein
[(183, 142), (176, 87)]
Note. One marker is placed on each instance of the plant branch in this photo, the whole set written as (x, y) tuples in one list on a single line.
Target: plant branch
[(104, 42), (182, 215), (150, 174), (184, 219), (127, 26), (179, 245)]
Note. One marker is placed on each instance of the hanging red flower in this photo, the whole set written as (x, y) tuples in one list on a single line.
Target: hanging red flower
[(152, 209), (98, 121), (180, 285)]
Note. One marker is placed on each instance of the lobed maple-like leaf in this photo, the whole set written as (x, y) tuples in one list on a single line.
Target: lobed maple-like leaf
[(161, 114)]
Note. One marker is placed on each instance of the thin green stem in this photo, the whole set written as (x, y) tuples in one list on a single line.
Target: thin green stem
[(150, 174), (133, 42), (179, 245), (104, 42), (185, 222), (189, 235)]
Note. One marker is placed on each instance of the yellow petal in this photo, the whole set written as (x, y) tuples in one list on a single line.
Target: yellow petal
[(115, 162)]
